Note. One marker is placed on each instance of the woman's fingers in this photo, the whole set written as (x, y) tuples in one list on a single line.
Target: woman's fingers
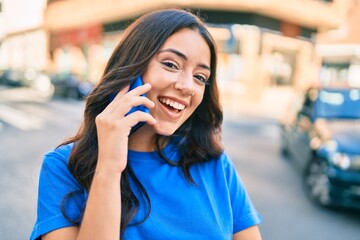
[(121, 93), (124, 100), (137, 101), (135, 92), (140, 90), (122, 108), (115, 114), (140, 116)]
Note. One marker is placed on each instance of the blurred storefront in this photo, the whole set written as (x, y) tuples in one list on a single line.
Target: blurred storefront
[(77, 51), (260, 58), (264, 45), (260, 68), (24, 50), (339, 52), (23, 40), (275, 42)]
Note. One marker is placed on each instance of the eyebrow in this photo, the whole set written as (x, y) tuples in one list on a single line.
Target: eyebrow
[(183, 56)]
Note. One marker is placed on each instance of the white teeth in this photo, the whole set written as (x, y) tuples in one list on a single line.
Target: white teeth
[(172, 103)]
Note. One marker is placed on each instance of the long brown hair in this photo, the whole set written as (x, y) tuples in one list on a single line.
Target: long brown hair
[(200, 133)]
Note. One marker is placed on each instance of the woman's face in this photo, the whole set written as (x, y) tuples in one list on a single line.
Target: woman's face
[(177, 74)]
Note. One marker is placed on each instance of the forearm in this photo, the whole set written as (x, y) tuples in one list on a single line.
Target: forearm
[(102, 215), (251, 233)]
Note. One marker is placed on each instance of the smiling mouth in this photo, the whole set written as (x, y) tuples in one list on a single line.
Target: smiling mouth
[(171, 104)]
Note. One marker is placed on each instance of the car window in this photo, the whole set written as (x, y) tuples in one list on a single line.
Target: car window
[(338, 104)]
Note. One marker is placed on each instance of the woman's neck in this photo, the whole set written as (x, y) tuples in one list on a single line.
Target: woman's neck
[(143, 140)]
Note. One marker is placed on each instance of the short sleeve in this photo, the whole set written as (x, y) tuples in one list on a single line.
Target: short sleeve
[(244, 213), (59, 193)]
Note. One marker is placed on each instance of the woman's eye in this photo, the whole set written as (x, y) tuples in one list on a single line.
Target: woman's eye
[(201, 79), (170, 65)]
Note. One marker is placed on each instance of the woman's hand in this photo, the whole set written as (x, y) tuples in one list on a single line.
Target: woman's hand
[(113, 127)]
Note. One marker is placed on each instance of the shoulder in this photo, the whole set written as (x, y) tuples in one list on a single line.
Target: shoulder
[(223, 161), (244, 213), (55, 163), (54, 169), (220, 168), (225, 169), (59, 155), (220, 163), (60, 196)]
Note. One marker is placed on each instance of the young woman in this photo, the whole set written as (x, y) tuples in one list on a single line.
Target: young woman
[(169, 179)]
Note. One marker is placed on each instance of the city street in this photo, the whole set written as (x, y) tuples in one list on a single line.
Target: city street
[(29, 129)]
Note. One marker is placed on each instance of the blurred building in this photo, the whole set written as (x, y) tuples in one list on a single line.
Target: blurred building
[(339, 50), (262, 43), (23, 40)]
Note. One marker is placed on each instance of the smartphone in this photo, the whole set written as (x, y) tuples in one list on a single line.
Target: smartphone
[(138, 82)]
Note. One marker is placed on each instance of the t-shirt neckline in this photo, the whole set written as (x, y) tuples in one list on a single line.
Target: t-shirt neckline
[(154, 155)]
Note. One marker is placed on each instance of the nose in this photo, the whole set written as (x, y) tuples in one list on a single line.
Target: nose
[(185, 84)]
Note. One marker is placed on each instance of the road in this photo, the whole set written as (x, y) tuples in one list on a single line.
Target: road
[(29, 129), (35, 128), (275, 186)]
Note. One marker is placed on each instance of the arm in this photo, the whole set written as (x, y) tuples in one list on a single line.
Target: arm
[(102, 216), (251, 233)]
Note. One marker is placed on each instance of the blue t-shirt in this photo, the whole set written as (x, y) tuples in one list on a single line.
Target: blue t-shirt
[(215, 208)]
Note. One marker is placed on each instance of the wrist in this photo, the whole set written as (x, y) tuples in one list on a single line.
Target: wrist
[(111, 164), (107, 172)]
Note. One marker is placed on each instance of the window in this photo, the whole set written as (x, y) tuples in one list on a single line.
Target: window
[(282, 64), (334, 73)]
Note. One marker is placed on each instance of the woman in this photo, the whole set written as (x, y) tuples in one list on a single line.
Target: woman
[(175, 180)]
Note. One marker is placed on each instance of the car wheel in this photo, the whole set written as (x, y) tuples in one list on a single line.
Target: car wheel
[(317, 183)]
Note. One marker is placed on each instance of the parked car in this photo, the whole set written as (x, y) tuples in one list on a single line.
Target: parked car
[(34, 80), (11, 78), (322, 139), (68, 85)]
